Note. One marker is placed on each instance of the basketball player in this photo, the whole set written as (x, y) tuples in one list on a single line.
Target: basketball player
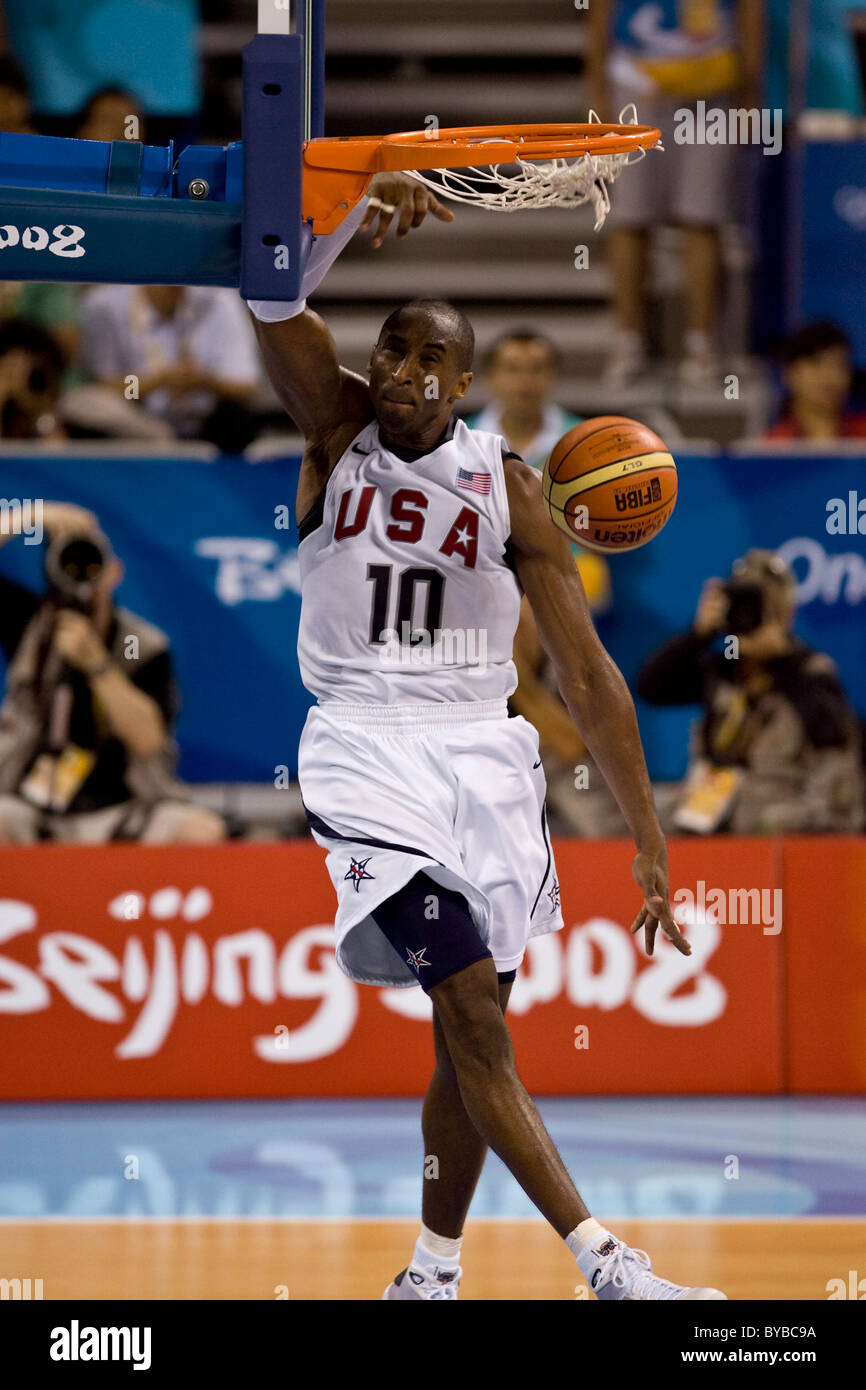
[(417, 536)]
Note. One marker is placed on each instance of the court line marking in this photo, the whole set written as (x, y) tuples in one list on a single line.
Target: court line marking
[(382, 1220)]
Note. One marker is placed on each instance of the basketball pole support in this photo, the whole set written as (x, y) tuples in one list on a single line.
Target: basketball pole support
[(283, 105), (120, 212)]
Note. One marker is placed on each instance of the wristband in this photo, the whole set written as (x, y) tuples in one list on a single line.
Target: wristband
[(323, 252)]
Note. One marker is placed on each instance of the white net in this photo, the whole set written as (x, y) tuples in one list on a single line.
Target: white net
[(529, 183)]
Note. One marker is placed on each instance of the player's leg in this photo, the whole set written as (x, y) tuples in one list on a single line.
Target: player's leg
[(636, 210), (704, 195), (454, 1154), (498, 1104), (479, 1046), (629, 248), (454, 1151), (703, 260)]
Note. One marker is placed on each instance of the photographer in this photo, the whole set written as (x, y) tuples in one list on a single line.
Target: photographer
[(85, 749), (778, 746)]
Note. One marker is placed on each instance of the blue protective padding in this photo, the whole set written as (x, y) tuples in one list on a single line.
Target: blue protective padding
[(234, 192), (273, 78), (109, 239), (59, 162), (139, 224), (124, 167)]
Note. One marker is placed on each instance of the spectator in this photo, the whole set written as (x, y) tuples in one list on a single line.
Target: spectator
[(14, 98), (54, 307), (85, 748), (818, 371), (188, 355), (823, 44), (71, 50), (665, 56), (105, 116), (778, 746), (31, 366), (520, 379)]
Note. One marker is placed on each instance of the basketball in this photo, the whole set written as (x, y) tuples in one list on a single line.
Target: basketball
[(610, 484)]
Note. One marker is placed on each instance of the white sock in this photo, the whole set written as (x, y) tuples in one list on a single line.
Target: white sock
[(583, 1235), (431, 1250)]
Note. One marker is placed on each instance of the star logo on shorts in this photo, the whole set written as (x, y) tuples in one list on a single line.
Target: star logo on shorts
[(358, 871), (416, 961), (553, 894)]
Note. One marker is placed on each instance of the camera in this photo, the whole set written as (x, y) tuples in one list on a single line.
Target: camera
[(746, 606), (73, 566)]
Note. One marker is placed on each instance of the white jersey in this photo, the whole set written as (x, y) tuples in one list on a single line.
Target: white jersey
[(407, 595)]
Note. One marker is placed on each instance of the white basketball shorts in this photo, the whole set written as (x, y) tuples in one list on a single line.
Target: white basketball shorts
[(452, 790)]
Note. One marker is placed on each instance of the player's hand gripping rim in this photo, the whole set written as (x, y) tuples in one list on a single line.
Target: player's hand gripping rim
[(390, 194), (650, 870)]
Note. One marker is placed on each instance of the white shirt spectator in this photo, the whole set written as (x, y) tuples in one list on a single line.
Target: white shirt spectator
[(554, 424), (124, 335)]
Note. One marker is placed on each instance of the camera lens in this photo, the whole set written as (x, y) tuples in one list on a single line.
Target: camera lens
[(80, 561), (745, 606), (73, 564)]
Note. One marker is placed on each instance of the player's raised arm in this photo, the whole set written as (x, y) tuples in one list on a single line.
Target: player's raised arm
[(592, 687), (299, 352), (300, 357)]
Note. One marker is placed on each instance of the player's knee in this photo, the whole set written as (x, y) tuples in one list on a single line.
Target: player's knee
[(474, 1028)]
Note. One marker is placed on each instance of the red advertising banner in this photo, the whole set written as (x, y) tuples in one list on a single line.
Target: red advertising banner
[(825, 964), (130, 971)]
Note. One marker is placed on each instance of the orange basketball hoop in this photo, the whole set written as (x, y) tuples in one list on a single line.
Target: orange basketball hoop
[(500, 168)]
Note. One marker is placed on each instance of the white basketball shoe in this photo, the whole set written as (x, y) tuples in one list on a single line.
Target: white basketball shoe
[(615, 1271), (415, 1282)]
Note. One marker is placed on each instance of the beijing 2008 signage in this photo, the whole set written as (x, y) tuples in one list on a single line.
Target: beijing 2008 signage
[(134, 971)]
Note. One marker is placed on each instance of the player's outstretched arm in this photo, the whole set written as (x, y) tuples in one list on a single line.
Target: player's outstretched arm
[(299, 353), (328, 403), (592, 687), (300, 357)]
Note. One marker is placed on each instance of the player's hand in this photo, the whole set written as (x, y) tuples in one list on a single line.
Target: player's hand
[(78, 642), (712, 609), (67, 516), (650, 871), (770, 640), (393, 195)]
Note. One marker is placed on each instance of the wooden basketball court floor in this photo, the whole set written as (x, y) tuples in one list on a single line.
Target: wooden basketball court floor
[(518, 1259), (763, 1197)]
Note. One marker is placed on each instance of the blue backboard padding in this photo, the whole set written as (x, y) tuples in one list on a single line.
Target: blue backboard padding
[(162, 235), (271, 264), (60, 162), (97, 238)]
